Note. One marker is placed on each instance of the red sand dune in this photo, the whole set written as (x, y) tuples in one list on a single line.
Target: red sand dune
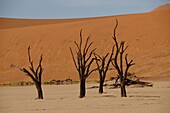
[(161, 8), (148, 37)]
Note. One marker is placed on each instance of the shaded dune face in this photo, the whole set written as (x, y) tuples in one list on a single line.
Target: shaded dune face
[(147, 35)]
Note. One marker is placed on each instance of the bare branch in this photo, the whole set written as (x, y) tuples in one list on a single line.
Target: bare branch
[(80, 39), (73, 59), (91, 72), (31, 62), (118, 47), (40, 74), (115, 28), (85, 47), (12, 66), (125, 48), (88, 68), (121, 56), (115, 64), (122, 48), (98, 66), (30, 75), (109, 61), (105, 56), (29, 56), (128, 65), (98, 56), (90, 55), (39, 67), (88, 47), (77, 46)]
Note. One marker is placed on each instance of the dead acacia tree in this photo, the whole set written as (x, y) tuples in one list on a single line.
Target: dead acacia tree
[(102, 67), (83, 62), (118, 62), (35, 75)]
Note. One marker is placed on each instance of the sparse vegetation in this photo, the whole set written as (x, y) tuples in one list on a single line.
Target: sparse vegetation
[(18, 83)]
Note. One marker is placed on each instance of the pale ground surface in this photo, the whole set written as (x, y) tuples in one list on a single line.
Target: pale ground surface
[(64, 99)]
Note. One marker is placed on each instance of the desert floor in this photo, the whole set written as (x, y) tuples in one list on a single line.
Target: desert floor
[(64, 99)]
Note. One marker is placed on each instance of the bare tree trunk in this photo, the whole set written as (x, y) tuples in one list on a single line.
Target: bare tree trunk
[(101, 86), (82, 88), (123, 91), (123, 88), (39, 90)]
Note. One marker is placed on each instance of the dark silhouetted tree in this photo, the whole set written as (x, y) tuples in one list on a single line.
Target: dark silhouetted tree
[(102, 67), (83, 60), (34, 74), (118, 62)]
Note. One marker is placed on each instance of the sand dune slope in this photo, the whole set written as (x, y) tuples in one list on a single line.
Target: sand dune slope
[(162, 7), (148, 37)]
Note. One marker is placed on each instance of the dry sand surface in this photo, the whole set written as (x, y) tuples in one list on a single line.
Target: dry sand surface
[(147, 34), (64, 99)]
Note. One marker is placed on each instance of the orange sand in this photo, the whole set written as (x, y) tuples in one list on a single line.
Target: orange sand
[(147, 34)]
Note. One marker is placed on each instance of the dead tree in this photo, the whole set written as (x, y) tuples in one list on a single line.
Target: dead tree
[(35, 75), (102, 67), (118, 62), (83, 62)]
